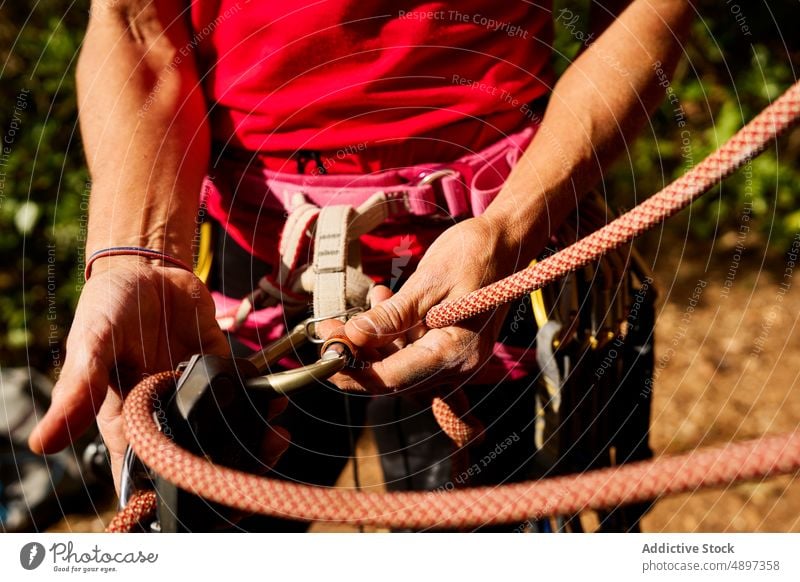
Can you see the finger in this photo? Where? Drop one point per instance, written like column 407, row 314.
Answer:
column 382, row 293
column 398, row 343
column 324, row 329
column 379, row 293
column 327, row 328
column 421, row 365
column 77, row 396
column 391, row 318
column 415, row 333
column 112, row 426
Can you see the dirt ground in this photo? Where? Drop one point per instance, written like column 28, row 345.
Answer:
column 733, row 376
column 727, row 366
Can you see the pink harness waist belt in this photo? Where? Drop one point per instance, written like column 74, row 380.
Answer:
column 243, row 193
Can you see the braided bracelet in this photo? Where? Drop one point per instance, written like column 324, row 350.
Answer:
column 133, row 251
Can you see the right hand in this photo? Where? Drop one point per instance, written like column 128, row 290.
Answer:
column 133, row 318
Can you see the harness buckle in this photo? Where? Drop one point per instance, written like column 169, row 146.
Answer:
column 430, row 178
column 427, row 178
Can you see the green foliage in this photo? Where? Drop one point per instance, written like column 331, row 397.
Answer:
column 738, row 57
column 43, row 180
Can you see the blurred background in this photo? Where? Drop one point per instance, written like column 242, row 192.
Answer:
column 724, row 383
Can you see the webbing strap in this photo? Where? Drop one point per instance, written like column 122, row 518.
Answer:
column 331, row 252
column 339, row 282
column 298, row 223
column 335, row 277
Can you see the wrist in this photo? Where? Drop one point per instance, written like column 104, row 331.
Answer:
column 130, row 255
column 520, row 232
column 104, row 264
column 529, row 215
column 164, row 223
column 173, row 246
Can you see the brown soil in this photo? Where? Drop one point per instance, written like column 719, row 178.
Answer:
column 733, row 376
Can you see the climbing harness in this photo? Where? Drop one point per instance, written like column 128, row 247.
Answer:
column 563, row 495
column 331, row 213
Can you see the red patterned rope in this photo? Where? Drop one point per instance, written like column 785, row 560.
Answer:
column 747, row 143
column 460, row 509
column 140, row 507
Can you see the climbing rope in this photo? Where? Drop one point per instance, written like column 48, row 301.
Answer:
column 141, row 506
column 459, row 509
column 469, row 508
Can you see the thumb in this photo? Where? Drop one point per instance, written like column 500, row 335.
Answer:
column 392, row 317
column 77, row 396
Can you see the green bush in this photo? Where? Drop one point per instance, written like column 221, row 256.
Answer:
column 738, row 57
column 44, row 180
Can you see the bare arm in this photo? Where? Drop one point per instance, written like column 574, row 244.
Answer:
column 143, row 122
column 600, row 103
column 147, row 144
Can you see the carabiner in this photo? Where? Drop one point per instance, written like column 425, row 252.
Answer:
column 309, row 323
column 289, row 381
column 335, row 353
column 281, row 347
column 135, row 477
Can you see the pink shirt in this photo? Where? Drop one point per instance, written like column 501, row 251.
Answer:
column 329, row 74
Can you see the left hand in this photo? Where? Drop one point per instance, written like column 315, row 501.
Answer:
column 403, row 354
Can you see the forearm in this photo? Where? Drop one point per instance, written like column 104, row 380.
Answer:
column 600, row 103
column 143, row 123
